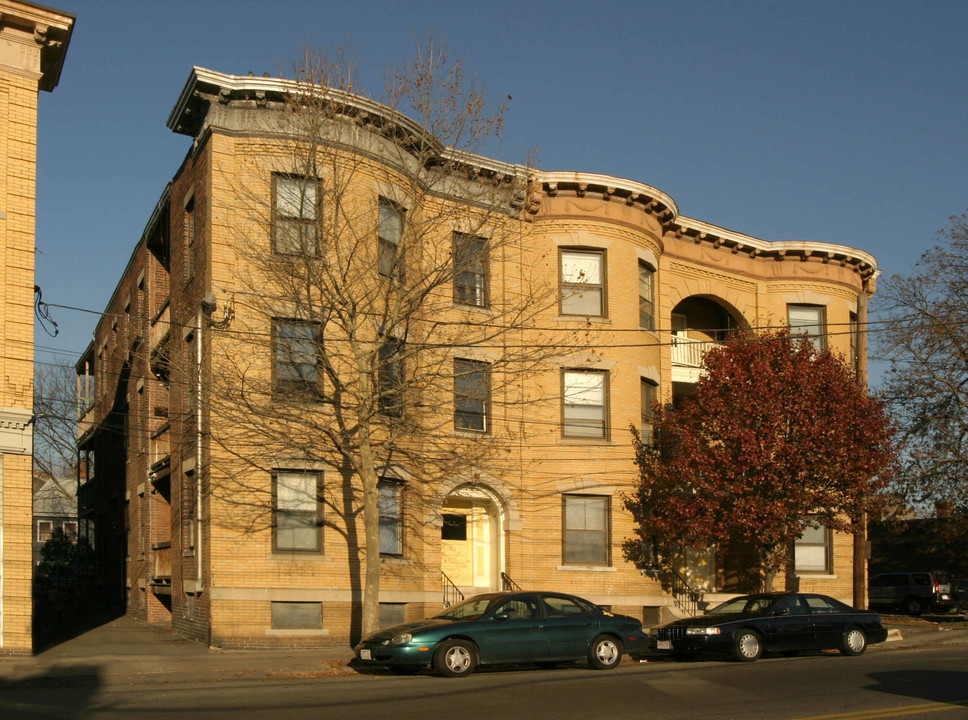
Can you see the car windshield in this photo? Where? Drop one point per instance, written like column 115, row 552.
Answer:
column 745, row 605
column 470, row 609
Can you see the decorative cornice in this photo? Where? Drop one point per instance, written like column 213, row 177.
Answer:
column 40, row 28
column 207, row 86
column 664, row 209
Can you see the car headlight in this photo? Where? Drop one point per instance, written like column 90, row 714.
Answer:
column 401, row 639
column 703, row 631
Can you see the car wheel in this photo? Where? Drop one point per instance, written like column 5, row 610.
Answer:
column 683, row 656
column 605, row 653
column 854, row 642
column 914, row 606
column 748, row 646
column 455, row 658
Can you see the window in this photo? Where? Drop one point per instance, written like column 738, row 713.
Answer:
column 392, row 614
column 390, row 377
column 295, row 358
column 454, row 527
column 583, row 282
column 297, row 615
column 296, row 512
column 45, row 528
column 586, row 530
column 812, row 550
column 471, row 395
column 585, row 412
column 646, row 296
column 470, row 265
column 390, row 234
column 295, row 202
column 646, row 430
column 70, row 530
column 190, row 249
column 807, row 320
column 391, row 518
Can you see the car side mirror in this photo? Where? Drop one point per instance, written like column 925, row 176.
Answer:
column 781, row 611
column 502, row 616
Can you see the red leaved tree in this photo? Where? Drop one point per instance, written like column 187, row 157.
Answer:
column 778, row 437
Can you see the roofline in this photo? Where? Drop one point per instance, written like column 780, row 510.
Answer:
column 666, row 208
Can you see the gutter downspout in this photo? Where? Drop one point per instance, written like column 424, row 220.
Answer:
column 198, row 452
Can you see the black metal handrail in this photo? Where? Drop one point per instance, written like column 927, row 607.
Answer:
column 507, row 584
column 687, row 599
column 452, row 593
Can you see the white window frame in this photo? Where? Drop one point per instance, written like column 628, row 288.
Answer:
column 582, row 275
column 584, row 404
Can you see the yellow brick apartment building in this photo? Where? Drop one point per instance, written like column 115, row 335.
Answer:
column 33, row 41
column 229, row 524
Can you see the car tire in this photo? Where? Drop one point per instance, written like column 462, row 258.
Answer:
column 747, row 646
column 605, row 652
column 914, row 606
column 455, row 658
column 854, row 642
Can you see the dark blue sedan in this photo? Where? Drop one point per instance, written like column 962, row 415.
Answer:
column 506, row 627
column 747, row 626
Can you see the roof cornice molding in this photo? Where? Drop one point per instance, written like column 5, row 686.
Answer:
column 51, row 30
column 205, row 86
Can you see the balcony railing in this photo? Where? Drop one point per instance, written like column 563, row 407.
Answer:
column 687, row 352
column 161, row 564
column 160, row 446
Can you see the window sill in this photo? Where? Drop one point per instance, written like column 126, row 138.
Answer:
column 601, row 319
column 587, row 568
column 583, row 441
column 296, row 632
column 395, row 560
column 470, row 433
column 817, row 575
column 286, row 556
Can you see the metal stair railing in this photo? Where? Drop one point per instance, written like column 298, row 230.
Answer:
column 507, row 583
column 686, row 598
column 452, row 593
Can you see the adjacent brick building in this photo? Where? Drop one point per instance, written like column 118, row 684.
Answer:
column 634, row 292
column 33, row 41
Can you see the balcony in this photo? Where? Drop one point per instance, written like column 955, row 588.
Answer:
column 161, row 567
column 160, row 448
column 687, row 355
column 160, row 326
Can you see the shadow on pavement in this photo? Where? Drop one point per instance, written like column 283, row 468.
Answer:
column 52, row 693
column 946, row 686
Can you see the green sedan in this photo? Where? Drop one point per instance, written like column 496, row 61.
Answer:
column 506, row 627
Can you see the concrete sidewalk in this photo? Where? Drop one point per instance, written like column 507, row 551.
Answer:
column 125, row 651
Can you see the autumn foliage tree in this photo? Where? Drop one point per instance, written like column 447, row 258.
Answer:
column 777, row 437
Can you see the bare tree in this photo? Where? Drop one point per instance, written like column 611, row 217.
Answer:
column 55, row 417
column 924, row 316
column 381, row 264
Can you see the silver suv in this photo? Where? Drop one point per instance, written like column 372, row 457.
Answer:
column 914, row 592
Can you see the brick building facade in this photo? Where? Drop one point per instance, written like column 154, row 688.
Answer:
column 204, row 524
column 33, row 41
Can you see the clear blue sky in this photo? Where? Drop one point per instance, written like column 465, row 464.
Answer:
column 826, row 121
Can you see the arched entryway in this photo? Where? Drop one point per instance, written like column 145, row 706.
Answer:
column 472, row 544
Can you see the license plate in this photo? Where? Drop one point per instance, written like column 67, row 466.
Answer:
column 365, row 654
column 664, row 645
